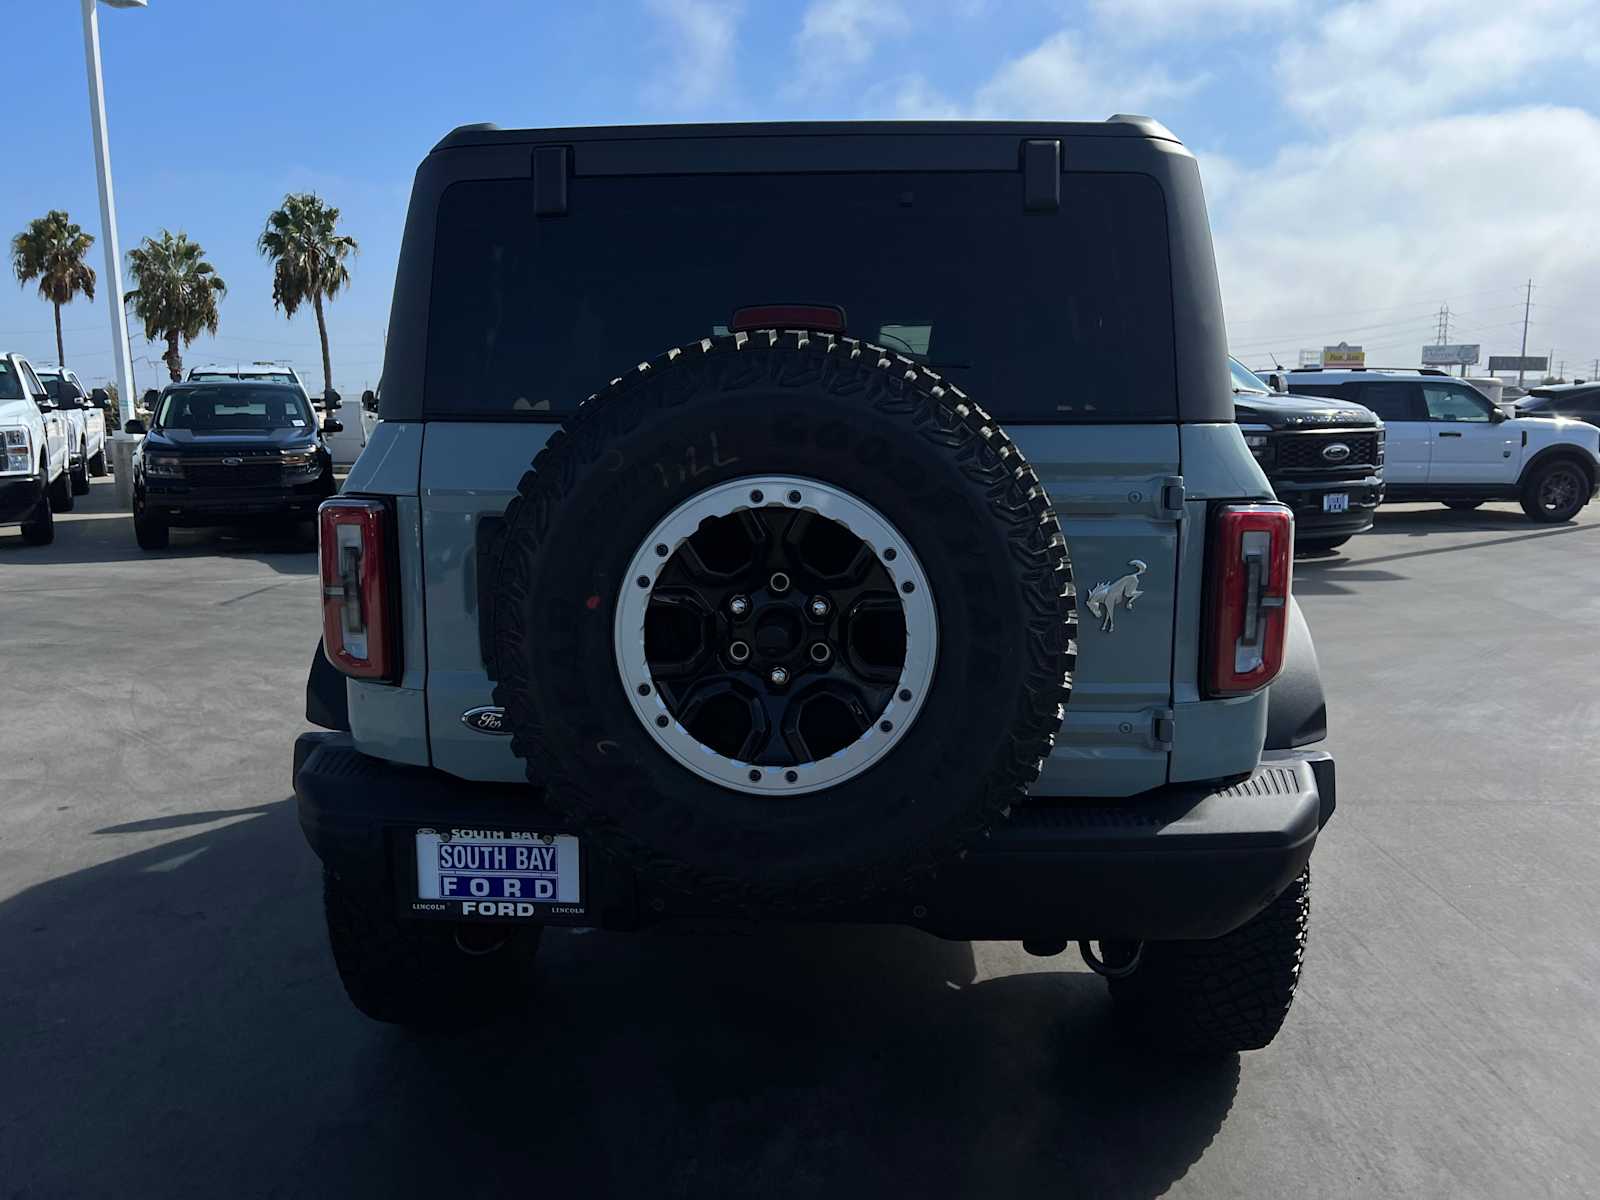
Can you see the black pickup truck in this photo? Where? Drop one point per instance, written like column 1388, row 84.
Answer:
column 1324, row 458
column 226, row 452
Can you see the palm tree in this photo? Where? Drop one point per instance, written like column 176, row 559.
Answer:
column 175, row 294
column 308, row 260
column 51, row 249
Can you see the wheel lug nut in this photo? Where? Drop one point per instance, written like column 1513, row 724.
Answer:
column 738, row 606
column 739, row 651
column 779, row 676
column 779, row 582
column 819, row 607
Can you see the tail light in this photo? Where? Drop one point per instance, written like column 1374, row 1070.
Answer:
column 358, row 626
column 825, row 318
column 1251, row 562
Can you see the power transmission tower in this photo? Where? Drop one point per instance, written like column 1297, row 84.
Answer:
column 1527, row 304
column 1443, row 334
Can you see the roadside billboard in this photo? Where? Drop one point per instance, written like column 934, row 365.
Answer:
column 1344, row 355
column 1513, row 362
column 1457, row 355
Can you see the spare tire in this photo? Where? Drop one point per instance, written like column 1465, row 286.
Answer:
column 782, row 619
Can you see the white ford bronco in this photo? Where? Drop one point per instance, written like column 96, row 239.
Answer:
column 759, row 523
column 1448, row 442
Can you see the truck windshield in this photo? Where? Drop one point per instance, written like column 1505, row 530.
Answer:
column 10, row 381
column 1053, row 316
column 234, row 408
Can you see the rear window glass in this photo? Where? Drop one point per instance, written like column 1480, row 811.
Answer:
column 1059, row 316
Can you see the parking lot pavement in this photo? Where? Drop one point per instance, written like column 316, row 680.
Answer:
column 174, row 1027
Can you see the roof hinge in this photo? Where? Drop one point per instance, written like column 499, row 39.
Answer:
column 1041, row 176
column 551, row 166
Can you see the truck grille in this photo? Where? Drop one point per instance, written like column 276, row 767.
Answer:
column 246, row 474
column 1304, row 451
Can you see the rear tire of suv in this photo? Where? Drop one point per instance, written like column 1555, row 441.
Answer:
column 1556, row 492
column 420, row 973
column 772, row 426
column 40, row 529
column 61, row 495
column 1228, row 994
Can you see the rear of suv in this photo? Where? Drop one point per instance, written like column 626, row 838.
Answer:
column 759, row 524
column 1324, row 458
column 1446, row 441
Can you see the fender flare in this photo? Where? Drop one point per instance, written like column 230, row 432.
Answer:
column 1560, row 450
column 1297, row 712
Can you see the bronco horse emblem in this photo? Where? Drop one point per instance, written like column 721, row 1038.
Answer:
column 1104, row 597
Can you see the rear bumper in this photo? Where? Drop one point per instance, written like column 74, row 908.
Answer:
column 1304, row 498
column 19, row 497
column 1178, row 863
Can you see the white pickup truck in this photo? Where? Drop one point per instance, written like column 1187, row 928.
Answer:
column 1448, row 442
column 35, row 483
column 86, row 425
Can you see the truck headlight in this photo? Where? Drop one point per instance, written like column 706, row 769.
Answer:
column 301, row 462
column 163, row 466
column 18, row 448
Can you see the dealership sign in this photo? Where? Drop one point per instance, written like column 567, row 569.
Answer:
column 1511, row 362
column 1344, row 355
column 1450, row 356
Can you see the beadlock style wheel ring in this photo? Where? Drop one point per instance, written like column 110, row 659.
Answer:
column 775, row 635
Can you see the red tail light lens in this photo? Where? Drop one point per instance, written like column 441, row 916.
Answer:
column 357, row 595
column 1251, row 564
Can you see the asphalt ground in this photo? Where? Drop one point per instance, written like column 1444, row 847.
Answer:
column 170, row 1022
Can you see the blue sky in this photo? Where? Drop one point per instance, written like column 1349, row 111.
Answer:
column 1365, row 162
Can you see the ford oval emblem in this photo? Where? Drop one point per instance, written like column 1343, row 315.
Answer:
column 486, row 720
column 232, row 462
column 1336, row 452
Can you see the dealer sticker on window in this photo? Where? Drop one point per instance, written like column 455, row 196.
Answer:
column 496, row 873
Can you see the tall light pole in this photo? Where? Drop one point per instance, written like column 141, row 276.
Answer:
column 108, row 211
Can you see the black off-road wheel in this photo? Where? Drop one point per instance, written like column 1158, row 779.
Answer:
column 783, row 620
column 62, row 499
column 1228, row 994
column 98, row 467
column 40, row 527
column 1556, row 491
column 423, row 974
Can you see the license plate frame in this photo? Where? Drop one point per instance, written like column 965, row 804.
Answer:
column 1336, row 502
column 516, row 875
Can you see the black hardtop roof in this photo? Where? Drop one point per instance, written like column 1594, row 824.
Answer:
column 1120, row 125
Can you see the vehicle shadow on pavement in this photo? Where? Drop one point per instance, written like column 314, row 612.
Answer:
column 98, row 531
column 175, row 1028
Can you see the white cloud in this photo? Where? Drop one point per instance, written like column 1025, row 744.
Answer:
column 836, row 37
column 1363, row 236
column 1153, row 20
column 1399, row 59
column 1055, row 81
column 700, row 35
